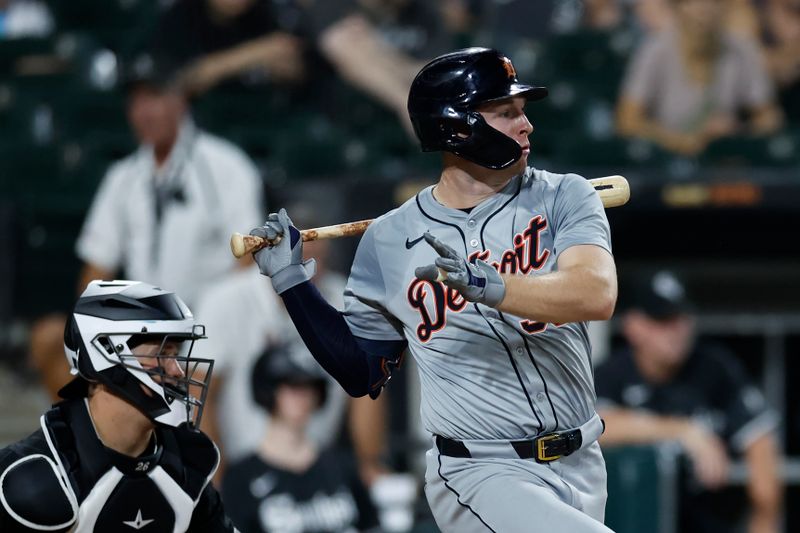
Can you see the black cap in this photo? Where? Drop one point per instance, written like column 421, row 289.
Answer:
column 148, row 68
column 660, row 295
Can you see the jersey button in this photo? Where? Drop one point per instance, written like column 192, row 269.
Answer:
column 519, row 350
column 471, row 223
column 540, row 396
column 474, row 243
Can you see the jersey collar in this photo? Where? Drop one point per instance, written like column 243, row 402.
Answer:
column 432, row 207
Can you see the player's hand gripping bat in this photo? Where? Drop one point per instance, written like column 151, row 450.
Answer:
column 613, row 191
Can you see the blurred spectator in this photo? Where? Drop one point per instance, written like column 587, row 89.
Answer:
column 231, row 39
column 378, row 46
column 24, row 18
column 665, row 386
column 691, row 84
column 288, row 483
column 247, row 317
column 782, row 47
column 163, row 214
column 655, row 15
column 176, row 199
column 461, row 18
column 742, row 19
column 603, row 14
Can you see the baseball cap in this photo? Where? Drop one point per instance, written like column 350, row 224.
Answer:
column 660, row 295
column 149, row 68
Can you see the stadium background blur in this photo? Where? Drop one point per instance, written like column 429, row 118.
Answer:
column 721, row 219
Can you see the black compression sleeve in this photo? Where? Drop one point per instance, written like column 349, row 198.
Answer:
column 360, row 366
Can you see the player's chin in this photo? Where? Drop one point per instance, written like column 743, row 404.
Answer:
column 522, row 162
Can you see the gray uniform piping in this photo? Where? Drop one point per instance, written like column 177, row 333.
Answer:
column 494, row 331
column 503, row 318
column 458, row 496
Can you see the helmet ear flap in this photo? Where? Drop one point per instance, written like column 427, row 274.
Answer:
column 484, row 145
column 455, row 129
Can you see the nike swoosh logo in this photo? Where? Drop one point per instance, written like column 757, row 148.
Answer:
column 411, row 244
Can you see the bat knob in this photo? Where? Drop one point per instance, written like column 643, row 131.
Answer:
column 237, row 245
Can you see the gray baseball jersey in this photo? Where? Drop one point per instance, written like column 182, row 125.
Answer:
column 484, row 374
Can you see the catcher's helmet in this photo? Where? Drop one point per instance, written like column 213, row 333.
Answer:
column 285, row 364
column 112, row 318
column 444, row 97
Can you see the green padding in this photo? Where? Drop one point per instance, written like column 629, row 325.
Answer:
column 633, row 489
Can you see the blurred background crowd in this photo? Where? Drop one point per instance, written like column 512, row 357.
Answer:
column 136, row 135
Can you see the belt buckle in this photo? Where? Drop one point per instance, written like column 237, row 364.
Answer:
column 541, row 452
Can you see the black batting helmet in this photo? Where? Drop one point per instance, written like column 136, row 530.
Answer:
column 285, row 364
column 444, row 97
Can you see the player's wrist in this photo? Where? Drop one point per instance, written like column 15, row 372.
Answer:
column 495, row 291
column 293, row 275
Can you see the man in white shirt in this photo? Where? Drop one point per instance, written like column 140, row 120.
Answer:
column 163, row 214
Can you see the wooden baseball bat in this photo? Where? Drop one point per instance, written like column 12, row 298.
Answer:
column 613, row 191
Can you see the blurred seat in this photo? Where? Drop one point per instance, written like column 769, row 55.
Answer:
column 13, row 52
column 595, row 60
column 313, row 146
column 607, row 153
column 223, row 110
column 16, row 114
column 642, row 488
column 122, row 25
column 48, row 212
column 46, row 266
column 82, row 114
column 778, row 150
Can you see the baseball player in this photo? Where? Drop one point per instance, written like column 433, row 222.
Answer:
column 121, row 452
column 501, row 341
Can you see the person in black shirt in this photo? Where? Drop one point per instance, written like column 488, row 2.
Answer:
column 288, row 484
column 665, row 385
column 244, row 42
column 121, row 452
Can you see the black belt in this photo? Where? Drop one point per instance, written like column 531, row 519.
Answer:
column 544, row 448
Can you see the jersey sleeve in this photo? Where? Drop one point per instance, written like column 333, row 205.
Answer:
column 365, row 293
column 579, row 216
column 102, row 235
column 748, row 416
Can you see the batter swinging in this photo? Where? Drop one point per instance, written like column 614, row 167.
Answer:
column 501, row 342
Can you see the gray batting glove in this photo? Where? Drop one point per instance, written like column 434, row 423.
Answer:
column 478, row 282
column 282, row 262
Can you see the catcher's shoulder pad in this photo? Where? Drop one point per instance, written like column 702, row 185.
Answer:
column 34, row 494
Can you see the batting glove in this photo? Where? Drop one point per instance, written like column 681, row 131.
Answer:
column 282, row 262
column 478, row 282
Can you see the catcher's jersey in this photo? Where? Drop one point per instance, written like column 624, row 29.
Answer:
column 484, row 374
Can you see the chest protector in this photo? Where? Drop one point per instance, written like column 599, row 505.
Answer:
column 103, row 490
